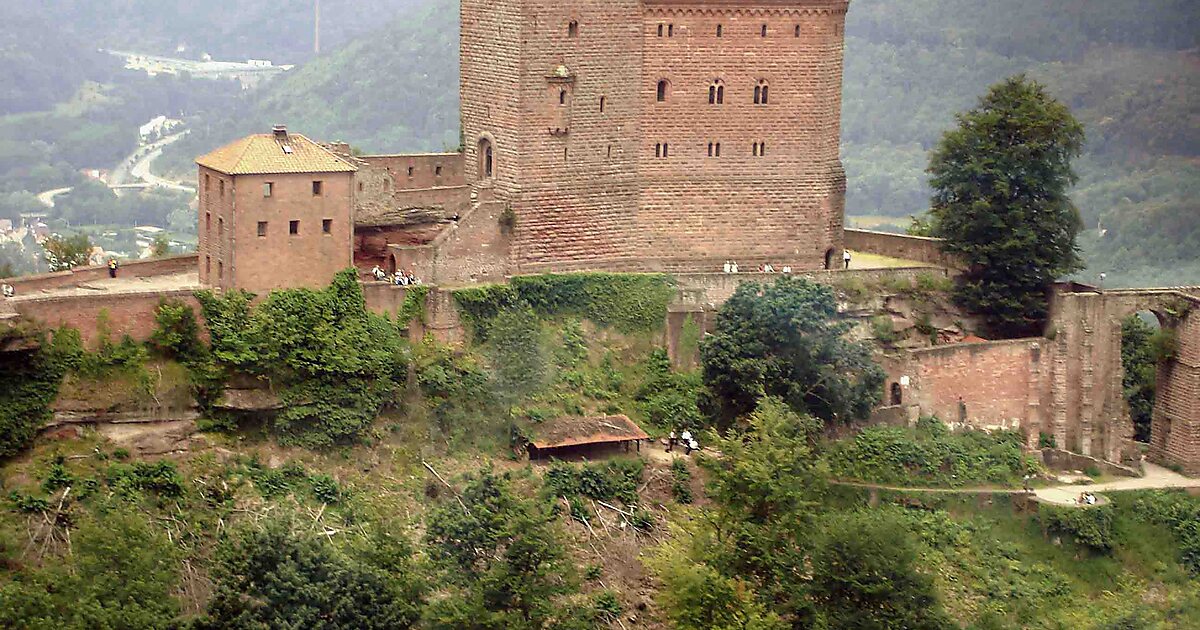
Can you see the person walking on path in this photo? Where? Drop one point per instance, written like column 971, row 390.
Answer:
column 112, row 267
column 671, row 441
column 846, row 257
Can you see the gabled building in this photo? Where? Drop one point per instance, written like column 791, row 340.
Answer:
column 276, row 211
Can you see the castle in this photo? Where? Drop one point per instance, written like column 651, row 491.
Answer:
column 626, row 135
column 638, row 135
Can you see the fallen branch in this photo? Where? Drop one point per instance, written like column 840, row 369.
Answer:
column 447, row 484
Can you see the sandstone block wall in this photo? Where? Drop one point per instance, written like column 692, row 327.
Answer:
column 165, row 266
column 125, row 313
column 915, row 248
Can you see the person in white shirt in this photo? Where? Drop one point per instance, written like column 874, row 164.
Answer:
column 377, row 273
column 768, row 268
column 9, row 291
column 846, row 257
column 787, row 269
column 733, row 268
column 728, row 267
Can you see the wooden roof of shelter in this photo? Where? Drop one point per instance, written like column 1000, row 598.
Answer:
column 577, row 431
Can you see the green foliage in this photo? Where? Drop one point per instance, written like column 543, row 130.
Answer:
column 122, row 576
column 866, row 577
column 281, row 575
column 783, row 339
column 1000, row 185
column 681, row 482
column 667, row 398
column 64, row 253
column 176, row 332
column 31, row 383
column 413, row 307
column 1090, row 526
column 627, row 302
column 161, row 478
column 336, row 364
column 292, row 479
column 1181, row 513
column 1141, row 373
column 1047, row 440
column 931, row 455
column 455, row 386
column 698, row 597
column 518, row 355
column 884, row 330
column 499, row 555
column 612, row 479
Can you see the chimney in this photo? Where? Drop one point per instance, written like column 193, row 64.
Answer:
column 280, row 132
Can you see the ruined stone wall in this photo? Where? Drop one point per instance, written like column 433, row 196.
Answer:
column 915, row 248
column 776, row 191
column 126, row 313
column 719, row 287
column 993, row 385
column 167, row 265
column 1175, row 429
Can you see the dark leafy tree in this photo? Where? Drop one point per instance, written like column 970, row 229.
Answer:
column 504, row 558
column 783, row 339
column 1000, row 200
column 865, row 577
column 1141, row 373
column 278, row 576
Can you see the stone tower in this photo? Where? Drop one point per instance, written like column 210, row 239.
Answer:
column 657, row 134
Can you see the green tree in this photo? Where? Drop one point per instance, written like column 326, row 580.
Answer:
column 504, row 558
column 276, row 576
column 122, row 576
column 1000, row 200
column 783, row 339
column 67, row 252
column 698, row 597
column 766, row 489
column 1141, row 373
column 160, row 246
column 865, row 577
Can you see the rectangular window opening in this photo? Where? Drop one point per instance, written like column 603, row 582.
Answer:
column 268, row 188
column 293, row 227
column 410, row 171
column 437, row 170
column 327, row 226
column 317, row 188
column 262, row 228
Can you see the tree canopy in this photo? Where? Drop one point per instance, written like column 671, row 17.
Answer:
column 1000, row 183
column 783, row 339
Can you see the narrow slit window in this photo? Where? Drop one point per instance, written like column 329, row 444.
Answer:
column 763, row 31
column 660, row 30
column 327, row 226
column 207, row 222
column 562, row 97
column 666, row 149
column 221, row 188
column 293, row 227
column 602, row 103
column 268, row 188
column 718, row 149
column 720, row 30
column 761, row 93
column 661, row 92
column 410, row 171
column 360, row 186
column 658, row 150
column 797, row 30
column 220, row 226
column 710, row 149
column 670, row 30
column 573, row 29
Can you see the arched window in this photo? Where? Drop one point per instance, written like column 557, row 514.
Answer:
column 658, row 150
column 573, row 29
column 662, row 90
column 718, row 154
column 761, row 92
column 562, row 97
column 486, row 159
column 897, row 395
column 670, row 30
column 797, row 30
column 716, row 93
column 660, row 30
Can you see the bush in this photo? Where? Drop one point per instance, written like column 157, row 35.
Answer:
column 160, row 477
column 31, row 382
column 681, row 482
column 1181, row 513
column 1088, row 526
column 613, row 479
column 931, row 455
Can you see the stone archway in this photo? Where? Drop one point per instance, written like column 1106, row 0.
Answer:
column 1087, row 409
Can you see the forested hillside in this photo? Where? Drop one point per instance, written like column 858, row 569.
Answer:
column 1128, row 69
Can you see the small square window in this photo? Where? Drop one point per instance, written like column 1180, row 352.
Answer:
column 267, row 189
column 327, row 225
column 437, row 170
column 262, row 228
column 293, row 227
column 317, row 188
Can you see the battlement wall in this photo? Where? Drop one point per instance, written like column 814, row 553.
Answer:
column 167, row 265
column 916, row 248
column 128, row 313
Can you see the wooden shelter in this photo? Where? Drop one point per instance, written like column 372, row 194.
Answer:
column 576, row 435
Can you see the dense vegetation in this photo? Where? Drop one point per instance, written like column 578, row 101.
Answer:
column 1139, row 359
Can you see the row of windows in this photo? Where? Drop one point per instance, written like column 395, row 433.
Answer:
column 716, row 92
column 663, row 149
column 293, row 226
column 668, row 30
column 318, row 188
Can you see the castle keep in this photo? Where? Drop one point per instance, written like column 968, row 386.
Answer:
column 625, row 135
